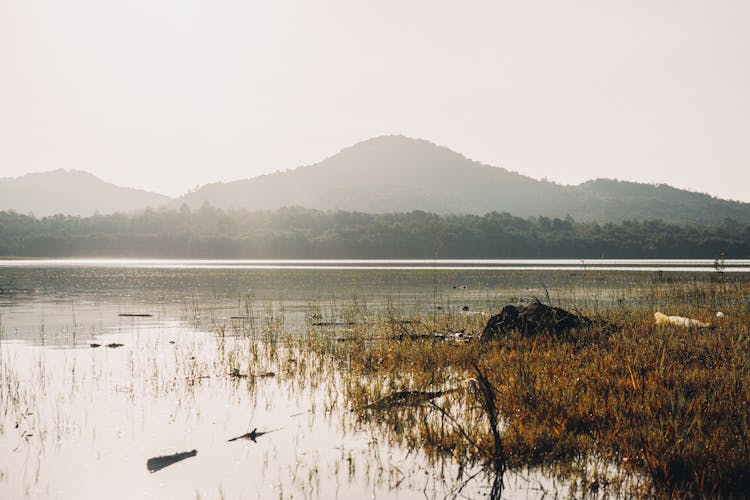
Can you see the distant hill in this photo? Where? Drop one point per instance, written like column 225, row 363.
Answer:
column 71, row 192
column 398, row 174
column 384, row 175
column 611, row 200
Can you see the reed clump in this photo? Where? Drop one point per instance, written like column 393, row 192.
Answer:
column 666, row 409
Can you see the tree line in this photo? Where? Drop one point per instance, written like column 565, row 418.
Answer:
column 291, row 233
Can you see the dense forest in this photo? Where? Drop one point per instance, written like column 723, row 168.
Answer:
column 209, row 232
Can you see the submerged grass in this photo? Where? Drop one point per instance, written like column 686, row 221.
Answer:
column 665, row 410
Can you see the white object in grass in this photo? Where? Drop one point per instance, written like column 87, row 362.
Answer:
column 663, row 319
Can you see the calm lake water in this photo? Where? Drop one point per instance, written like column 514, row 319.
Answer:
column 81, row 422
column 62, row 302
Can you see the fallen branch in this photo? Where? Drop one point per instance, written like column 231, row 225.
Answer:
column 407, row 398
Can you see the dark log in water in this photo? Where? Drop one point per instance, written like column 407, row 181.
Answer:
column 406, row 398
column 135, row 315
column 158, row 463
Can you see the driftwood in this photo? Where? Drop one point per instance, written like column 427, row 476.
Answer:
column 334, row 323
column 534, row 318
column 237, row 374
column 158, row 463
column 461, row 336
column 406, row 398
column 252, row 435
column 135, row 315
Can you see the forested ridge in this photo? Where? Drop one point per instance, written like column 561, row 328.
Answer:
column 209, row 232
column 399, row 174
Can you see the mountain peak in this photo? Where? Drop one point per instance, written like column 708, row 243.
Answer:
column 397, row 144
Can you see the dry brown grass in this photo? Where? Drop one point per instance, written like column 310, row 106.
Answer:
column 666, row 405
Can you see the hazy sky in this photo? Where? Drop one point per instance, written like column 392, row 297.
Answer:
column 169, row 94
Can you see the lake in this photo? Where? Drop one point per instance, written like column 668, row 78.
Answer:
column 79, row 421
column 56, row 301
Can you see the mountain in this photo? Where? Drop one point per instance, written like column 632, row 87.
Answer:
column 71, row 192
column 397, row 174
column 387, row 174
column 380, row 175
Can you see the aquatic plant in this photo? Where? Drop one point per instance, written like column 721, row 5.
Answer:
column 668, row 405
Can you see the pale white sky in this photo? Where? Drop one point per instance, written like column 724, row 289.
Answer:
column 169, row 94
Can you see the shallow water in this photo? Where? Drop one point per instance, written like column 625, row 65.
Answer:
column 93, row 417
column 82, row 422
column 64, row 302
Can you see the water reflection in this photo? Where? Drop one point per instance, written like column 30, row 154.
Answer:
column 190, row 356
column 80, row 423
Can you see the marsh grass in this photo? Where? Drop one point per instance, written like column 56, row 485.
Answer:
column 665, row 409
column 644, row 411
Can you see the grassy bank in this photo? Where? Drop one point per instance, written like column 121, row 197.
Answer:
column 646, row 410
